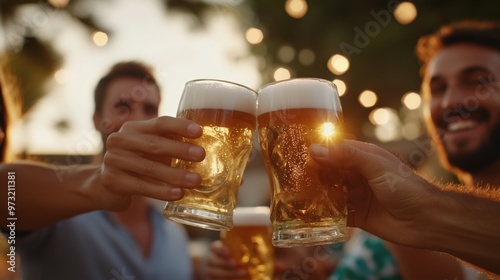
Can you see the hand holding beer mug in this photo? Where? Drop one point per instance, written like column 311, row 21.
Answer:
column 227, row 114
column 308, row 202
column 249, row 241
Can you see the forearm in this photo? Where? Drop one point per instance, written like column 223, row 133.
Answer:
column 425, row 264
column 467, row 227
column 45, row 194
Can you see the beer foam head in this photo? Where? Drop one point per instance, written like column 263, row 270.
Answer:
column 251, row 216
column 217, row 94
column 298, row 93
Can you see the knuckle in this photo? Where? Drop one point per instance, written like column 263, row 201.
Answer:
column 142, row 187
column 109, row 159
column 149, row 167
column 158, row 123
column 153, row 143
column 108, row 177
column 127, row 125
column 113, row 140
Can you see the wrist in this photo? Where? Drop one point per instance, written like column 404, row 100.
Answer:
column 437, row 220
column 458, row 223
column 430, row 215
column 89, row 188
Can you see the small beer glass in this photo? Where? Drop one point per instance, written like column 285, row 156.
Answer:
column 249, row 241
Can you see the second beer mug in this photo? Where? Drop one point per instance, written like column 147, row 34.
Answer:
column 250, row 241
column 227, row 114
column 308, row 203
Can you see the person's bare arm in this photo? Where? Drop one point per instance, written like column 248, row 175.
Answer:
column 391, row 201
column 467, row 227
column 137, row 162
column 425, row 264
column 42, row 194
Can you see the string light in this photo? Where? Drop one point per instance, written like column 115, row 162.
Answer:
column 411, row 131
column 254, row 35
column 296, row 8
column 380, row 116
column 341, row 86
column 405, row 13
column 306, row 57
column 286, row 54
column 100, row 38
column 281, row 74
column 367, row 98
column 338, row 64
column 411, row 100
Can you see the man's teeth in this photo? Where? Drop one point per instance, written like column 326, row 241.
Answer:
column 461, row 125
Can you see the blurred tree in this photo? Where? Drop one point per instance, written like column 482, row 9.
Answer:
column 380, row 50
column 28, row 57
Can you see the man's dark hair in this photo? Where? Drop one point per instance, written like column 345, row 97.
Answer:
column 129, row 69
column 483, row 33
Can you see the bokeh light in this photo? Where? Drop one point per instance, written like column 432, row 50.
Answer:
column 100, row 38
column 341, row 86
column 411, row 130
column 405, row 13
column 296, row 8
column 380, row 116
column 387, row 124
column 411, row 100
column 306, row 57
column 281, row 74
column 387, row 133
column 61, row 76
column 286, row 53
column 59, row 3
column 338, row 64
column 367, row 98
column 254, row 35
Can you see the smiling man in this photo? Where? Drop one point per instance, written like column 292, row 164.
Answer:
column 461, row 87
column 461, row 90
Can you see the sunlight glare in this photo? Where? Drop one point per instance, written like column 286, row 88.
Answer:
column 328, row 129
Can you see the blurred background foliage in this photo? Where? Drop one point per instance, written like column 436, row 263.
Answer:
column 381, row 59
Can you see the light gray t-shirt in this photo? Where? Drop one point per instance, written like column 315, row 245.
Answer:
column 93, row 246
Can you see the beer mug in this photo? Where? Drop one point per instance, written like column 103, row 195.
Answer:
column 227, row 114
column 308, row 204
column 249, row 241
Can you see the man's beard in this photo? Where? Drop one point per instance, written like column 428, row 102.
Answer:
column 481, row 158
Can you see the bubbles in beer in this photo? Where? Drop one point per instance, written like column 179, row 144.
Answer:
column 307, row 197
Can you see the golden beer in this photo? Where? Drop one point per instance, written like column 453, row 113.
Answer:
column 226, row 113
column 308, row 202
column 249, row 241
